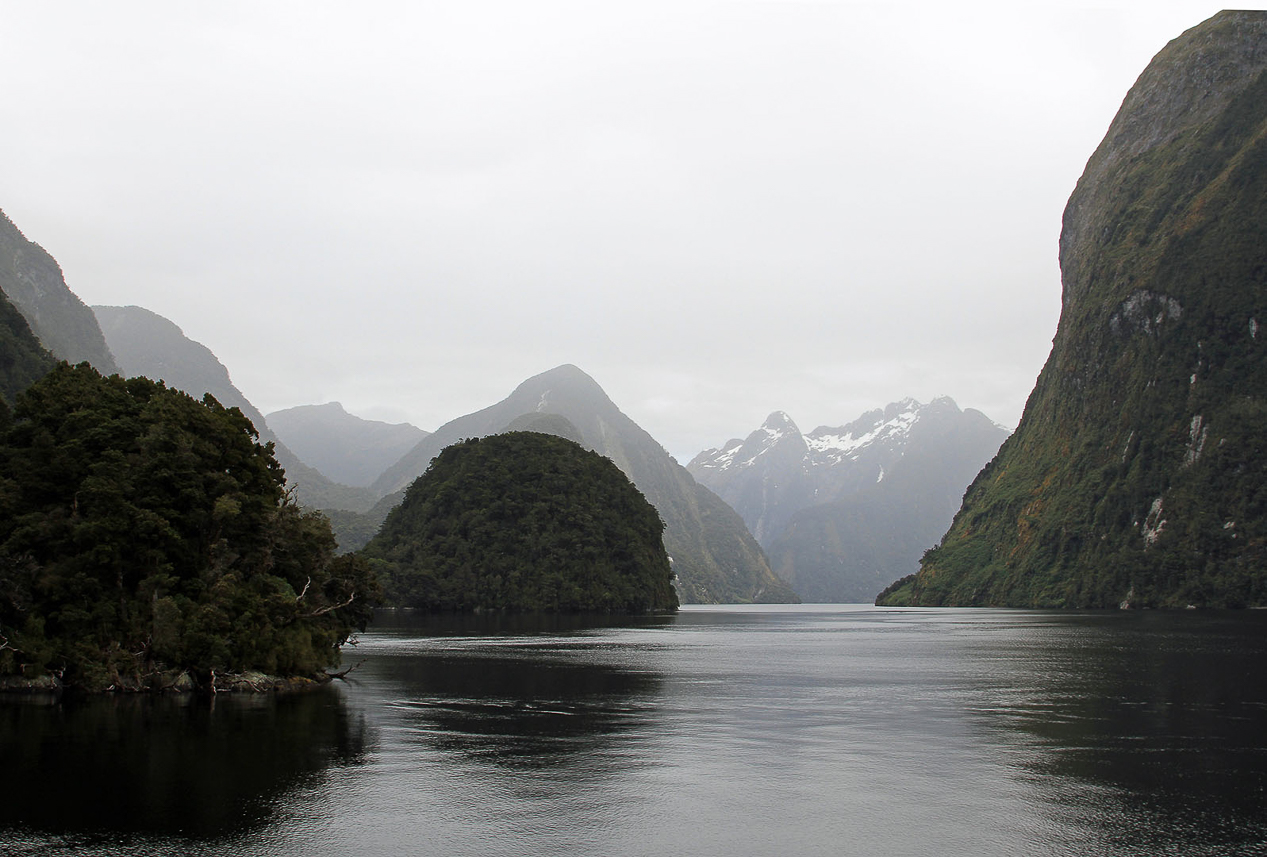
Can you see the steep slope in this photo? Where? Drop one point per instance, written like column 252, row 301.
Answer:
column 1136, row 475
column 848, row 549
column 345, row 448
column 765, row 477
column 23, row 361
column 33, row 282
column 715, row 558
column 149, row 345
column 842, row 510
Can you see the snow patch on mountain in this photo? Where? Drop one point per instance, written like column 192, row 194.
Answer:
column 890, row 427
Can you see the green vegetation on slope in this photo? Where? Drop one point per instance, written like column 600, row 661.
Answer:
column 144, row 534
column 1136, row 475
column 32, row 280
column 523, row 521
column 715, row 558
column 23, row 361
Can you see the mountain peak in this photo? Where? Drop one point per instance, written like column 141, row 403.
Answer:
column 840, row 508
column 716, row 559
column 779, row 425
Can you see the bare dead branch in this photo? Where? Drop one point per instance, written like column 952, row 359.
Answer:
column 343, row 673
column 324, row 610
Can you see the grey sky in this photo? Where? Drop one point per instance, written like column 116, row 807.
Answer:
column 716, row 209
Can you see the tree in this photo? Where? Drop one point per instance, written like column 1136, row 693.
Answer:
column 524, row 521
column 144, row 534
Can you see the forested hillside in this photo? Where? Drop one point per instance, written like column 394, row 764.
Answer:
column 1137, row 476
column 147, row 541
column 524, row 521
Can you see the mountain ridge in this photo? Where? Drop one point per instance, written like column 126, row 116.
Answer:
column 715, row 558
column 147, row 344
column 34, row 283
column 1135, row 476
column 841, row 509
column 345, row 448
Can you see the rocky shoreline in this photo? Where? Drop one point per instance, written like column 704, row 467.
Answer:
column 175, row 682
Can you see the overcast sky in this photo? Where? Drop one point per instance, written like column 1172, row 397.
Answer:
column 716, row 209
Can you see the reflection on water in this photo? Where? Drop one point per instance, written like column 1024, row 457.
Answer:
column 521, row 705
column 520, row 691
column 1147, row 727
column 173, row 766
column 814, row 730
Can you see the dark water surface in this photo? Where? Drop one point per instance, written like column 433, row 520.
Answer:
column 722, row 731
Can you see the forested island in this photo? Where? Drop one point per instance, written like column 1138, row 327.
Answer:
column 524, row 521
column 147, row 541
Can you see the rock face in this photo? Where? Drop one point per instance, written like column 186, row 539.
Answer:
column 148, row 345
column 33, row 282
column 714, row 556
column 1137, row 476
column 842, row 510
column 345, row 448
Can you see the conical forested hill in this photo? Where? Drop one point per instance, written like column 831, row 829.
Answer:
column 714, row 556
column 1137, row 475
column 524, row 521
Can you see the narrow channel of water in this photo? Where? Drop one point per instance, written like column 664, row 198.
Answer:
column 721, row 731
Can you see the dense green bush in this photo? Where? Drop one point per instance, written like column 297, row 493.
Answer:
column 526, row 522
column 144, row 534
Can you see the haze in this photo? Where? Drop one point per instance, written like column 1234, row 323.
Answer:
column 715, row 209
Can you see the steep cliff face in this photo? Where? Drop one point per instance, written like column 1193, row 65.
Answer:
column 1137, row 473
column 33, row 282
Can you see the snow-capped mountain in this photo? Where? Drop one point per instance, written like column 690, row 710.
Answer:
column 902, row 469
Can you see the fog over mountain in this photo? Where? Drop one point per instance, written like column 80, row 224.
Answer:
column 714, row 557
column 717, row 207
column 149, row 345
column 32, row 281
column 344, row 447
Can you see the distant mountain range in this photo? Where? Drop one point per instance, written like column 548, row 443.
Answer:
column 146, row 344
column 714, row 556
column 841, row 509
column 794, row 491
column 346, row 448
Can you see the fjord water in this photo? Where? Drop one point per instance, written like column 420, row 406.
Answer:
column 721, row 731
